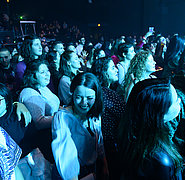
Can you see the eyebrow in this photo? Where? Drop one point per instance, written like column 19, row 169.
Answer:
column 86, row 96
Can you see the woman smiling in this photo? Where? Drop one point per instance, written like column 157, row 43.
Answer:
column 77, row 137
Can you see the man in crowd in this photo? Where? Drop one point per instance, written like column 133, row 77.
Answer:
column 7, row 74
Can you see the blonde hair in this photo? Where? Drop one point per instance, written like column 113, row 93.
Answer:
column 136, row 68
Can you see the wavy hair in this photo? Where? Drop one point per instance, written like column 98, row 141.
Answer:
column 99, row 69
column 137, row 67
column 29, row 79
column 123, row 49
column 26, row 48
column 142, row 129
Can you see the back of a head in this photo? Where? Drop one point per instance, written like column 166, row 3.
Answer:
column 51, row 56
column 143, row 129
column 99, row 69
column 174, row 49
column 143, row 123
column 149, row 101
column 123, row 49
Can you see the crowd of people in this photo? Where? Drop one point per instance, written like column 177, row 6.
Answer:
column 107, row 109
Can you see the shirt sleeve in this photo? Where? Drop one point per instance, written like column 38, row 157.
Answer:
column 36, row 107
column 63, row 147
column 100, row 147
column 64, row 91
column 19, row 72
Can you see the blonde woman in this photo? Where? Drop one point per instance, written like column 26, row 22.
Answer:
column 141, row 67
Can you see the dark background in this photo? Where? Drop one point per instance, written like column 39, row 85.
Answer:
column 128, row 17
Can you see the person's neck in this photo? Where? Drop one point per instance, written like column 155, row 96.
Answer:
column 127, row 61
column 74, row 71
column 3, row 113
column 40, row 87
column 145, row 75
column 79, row 116
column 36, row 57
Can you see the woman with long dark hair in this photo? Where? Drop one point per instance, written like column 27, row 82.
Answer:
column 147, row 148
column 107, row 73
column 69, row 67
column 173, row 54
column 31, row 49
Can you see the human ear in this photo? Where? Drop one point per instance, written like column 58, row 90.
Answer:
column 124, row 55
column 68, row 63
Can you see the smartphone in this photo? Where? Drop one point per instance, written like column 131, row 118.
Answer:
column 151, row 29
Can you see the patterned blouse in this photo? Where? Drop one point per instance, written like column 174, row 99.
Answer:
column 10, row 154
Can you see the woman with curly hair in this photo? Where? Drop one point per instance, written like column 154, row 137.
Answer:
column 141, row 67
column 107, row 73
column 31, row 49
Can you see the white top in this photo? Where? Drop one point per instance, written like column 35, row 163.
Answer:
column 73, row 145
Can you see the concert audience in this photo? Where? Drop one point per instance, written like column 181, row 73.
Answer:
column 150, row 127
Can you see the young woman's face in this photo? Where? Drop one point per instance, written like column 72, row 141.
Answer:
column 43, row 75
column 150, row 64
column 83, row 98
column 2, row 106
column 112, row 72
column 37, row 47
column 101, row 54
column 59, row 48
column 174, row 109
column 131, row 53
column 74, row 61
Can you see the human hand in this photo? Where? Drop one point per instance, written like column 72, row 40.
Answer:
column 148, row 34
column 84, row 54
column 21, row 109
